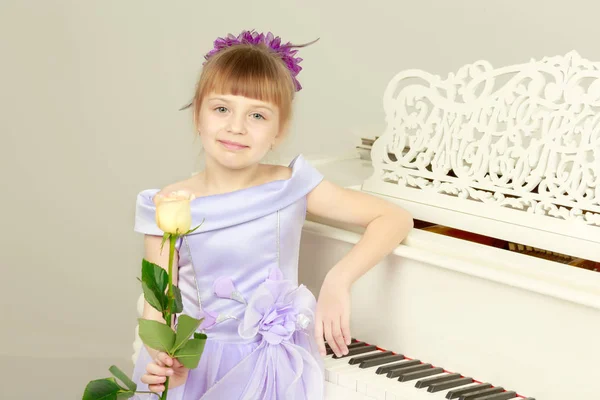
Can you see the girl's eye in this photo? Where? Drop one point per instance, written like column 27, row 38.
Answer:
column 258, row 116
column 221, row 109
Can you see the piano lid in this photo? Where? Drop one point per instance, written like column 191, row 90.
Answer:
column 510, row 152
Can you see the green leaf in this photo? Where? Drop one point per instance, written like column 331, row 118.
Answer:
column 164, row 239
column 198, row 335
column 192, row 230
column 186, row 326
column 102, row 389
column 156, row 335
column 154, row 275
column 154, row 283
column 125, row 395
column 120, row 375
column 189, row 354
column 153, row 298
column 178, row 301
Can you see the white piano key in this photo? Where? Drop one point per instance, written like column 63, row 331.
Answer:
column 354, row 378
column 329, row 361
column 347, row 375
column 350, row 377
column 378, row 385
column 335, row 392
column 336, row 366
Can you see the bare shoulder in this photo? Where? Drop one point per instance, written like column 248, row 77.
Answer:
column 277, row 172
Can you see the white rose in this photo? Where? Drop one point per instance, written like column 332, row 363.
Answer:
column 173, row 213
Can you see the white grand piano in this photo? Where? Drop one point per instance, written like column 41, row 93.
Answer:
column 496, row 292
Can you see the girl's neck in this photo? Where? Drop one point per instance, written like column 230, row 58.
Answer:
column 216, row 179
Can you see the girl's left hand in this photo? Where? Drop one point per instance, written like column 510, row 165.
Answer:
column 332, row 318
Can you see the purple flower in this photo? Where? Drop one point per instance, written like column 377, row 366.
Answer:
column 210, row 319
column 272, row 42
column 277, row 309
column 224, row 288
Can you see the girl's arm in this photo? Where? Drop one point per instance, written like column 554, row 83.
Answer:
column 386, row 226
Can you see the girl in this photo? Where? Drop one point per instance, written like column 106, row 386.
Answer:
column 238, row 271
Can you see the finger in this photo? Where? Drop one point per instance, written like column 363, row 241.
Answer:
column 319, row 335
column 154, row 369
column 346, row 328
column 336, row 331
column 150, row 379
column 330, row 339
column 165, row 359
column 177, row 363
column 156, row 388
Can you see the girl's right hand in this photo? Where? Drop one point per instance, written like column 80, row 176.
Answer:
column 158, row 370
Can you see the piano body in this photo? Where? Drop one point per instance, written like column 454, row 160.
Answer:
column 499, row 280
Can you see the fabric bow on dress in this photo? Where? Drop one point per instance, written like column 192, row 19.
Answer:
column 278, row 368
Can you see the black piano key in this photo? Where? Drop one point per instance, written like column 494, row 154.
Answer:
column 500, row 396
column 453, row 394
column 329, row 350
column 357, row 350
column 356, row 344
column 419, row 374
column 437, row 387
column 353, row 343
column 368, row 357
column 350, row 346
column 423, row 383
column 396, row 372
column 386, row 368
column 380, row 361
column 481, row 393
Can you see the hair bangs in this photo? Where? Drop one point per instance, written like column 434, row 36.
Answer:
column 238, row 80
column 249, row 71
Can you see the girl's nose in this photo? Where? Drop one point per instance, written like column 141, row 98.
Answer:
column 237, row 124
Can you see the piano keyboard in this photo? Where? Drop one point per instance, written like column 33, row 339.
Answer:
column 368, row 372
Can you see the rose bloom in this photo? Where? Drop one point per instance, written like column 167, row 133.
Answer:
column 173, row 214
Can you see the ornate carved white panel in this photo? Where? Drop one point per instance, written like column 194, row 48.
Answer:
column 519, row 144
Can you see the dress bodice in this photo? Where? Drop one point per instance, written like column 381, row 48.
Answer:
column 244, row 236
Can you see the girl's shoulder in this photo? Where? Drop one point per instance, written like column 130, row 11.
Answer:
column 276, row 172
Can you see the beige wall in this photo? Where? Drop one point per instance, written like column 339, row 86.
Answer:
column 88, row 118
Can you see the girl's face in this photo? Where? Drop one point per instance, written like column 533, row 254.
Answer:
column 237, row 131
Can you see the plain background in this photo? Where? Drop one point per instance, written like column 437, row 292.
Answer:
column 89, row 96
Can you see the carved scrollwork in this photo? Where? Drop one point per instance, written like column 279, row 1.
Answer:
column 525, row 136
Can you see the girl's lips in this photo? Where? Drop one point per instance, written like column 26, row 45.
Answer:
column 232, row 145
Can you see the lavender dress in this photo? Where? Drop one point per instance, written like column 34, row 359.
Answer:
column 239, row 271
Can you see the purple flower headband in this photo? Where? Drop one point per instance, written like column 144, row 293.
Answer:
column 272, row 42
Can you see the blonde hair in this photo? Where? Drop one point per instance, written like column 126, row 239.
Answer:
column 247, row 70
